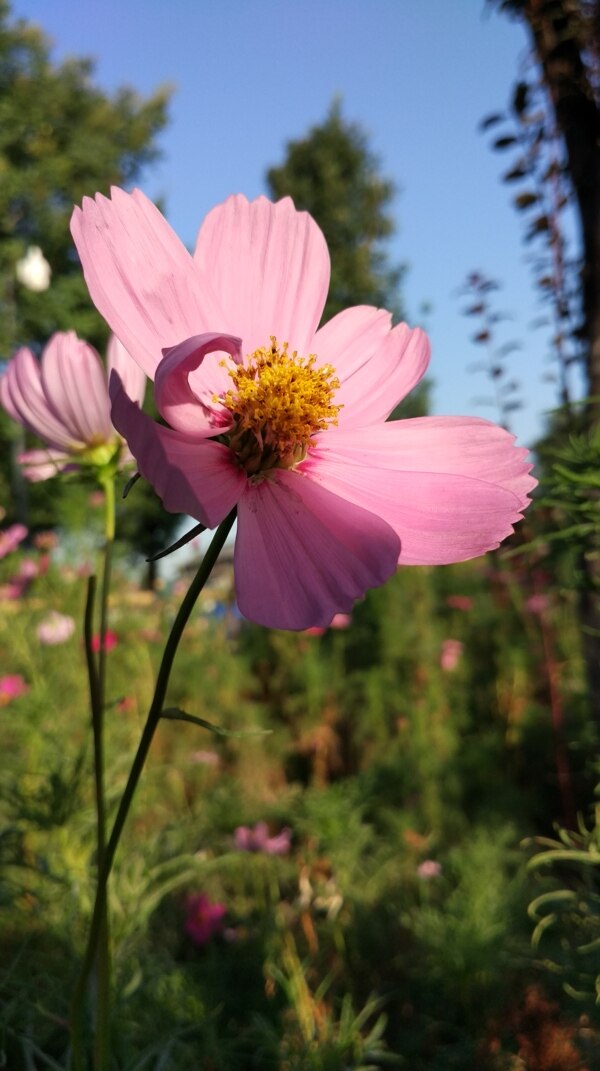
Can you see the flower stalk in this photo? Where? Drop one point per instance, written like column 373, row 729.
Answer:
column 95, row 936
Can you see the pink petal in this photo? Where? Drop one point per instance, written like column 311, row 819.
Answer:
column 303, row 555
column 23, row 397
column 74, row 382
column 140, row 276
column 43, row 464
column 451, row 487
column 377, row 367
column 269, row 264
column 131, row 375
column 176, row 401
column 198, row 478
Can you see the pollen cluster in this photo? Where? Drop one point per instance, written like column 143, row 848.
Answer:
column 278, row 401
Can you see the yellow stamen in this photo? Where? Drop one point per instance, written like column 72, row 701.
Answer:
column 279, row 401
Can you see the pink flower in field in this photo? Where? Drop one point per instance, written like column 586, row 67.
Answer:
column 537, row 604
column 11, row 537
column 55, row 628
column 281, row 419
column 63, row 399
column 429, row 868
column 203, row 918
column 464, row 603
column 258, row 839
column 450, row 655
column 110, row 641
column 11, row 687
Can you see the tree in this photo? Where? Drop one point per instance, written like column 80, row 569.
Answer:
column 61, row 138
column 333, row 174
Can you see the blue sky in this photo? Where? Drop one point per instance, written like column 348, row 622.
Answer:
column 418, row 75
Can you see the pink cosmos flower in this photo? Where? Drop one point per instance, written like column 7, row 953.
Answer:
column 283, row 419
column 203, row 918
column 63, row 399
column 537, row 603
column 258, row 839
column 11, row 687
column 11, row 537
column 429, row 868
column 55, row 628
column 450, row 655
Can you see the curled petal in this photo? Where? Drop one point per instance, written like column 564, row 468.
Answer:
column 140, row 276
column 198, row 478
column 269, row 264
column 176, row 401
column 303, row 554
column 451, row 487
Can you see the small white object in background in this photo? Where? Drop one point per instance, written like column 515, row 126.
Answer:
column 33, row 270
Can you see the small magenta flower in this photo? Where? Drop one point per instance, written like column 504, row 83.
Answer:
column 258, row 839
column 55, row 629
column 110, row 641
column 11, row 687
column 284, row 420
column 63, row 399
column 203, row 919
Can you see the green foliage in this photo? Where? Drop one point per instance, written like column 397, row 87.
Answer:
column 342, row 953
column 567, row 916
column 333, row 174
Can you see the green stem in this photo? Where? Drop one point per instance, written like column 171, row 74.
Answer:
column 154, row 715
column 97, row 688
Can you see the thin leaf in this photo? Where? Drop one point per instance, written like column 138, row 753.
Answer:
column 130, row 483
column 196, row 530
column 175, row 714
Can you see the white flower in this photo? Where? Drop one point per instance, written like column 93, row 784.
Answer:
column 33, row 270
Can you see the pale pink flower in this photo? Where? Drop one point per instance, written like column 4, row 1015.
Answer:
column 11, row 687
column 205, row 758
column 282, row 419
column 257, row 839
column 429, row 868
column 18, row 585
column 55, row 628
column 450, row 655
column 63, row 399
column 203, row 918
column 11, row 537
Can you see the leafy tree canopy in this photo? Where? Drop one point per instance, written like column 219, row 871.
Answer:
column 61, row 138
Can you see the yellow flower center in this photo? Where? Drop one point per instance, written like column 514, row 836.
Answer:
column 278, row 401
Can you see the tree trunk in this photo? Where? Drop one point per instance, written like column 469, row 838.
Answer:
column 562, row 36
